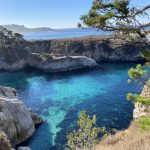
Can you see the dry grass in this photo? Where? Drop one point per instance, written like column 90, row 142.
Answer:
column 131, row 139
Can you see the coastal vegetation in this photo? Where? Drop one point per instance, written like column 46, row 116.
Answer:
column 87, row 134
column 9, row 39
column 141, row 76
column 116, row 15
column 144, row 123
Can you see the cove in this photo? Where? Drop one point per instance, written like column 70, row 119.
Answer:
column 58, row 98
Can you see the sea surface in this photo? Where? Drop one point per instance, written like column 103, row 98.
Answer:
column 63, row 33
column 59, row 98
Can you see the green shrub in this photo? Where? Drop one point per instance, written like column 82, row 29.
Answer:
column 136, row 73
column 86, row 136
column 137, row 98
column 142, row 100
column 144, row 123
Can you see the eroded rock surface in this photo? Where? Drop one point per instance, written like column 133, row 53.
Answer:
column 142, row 109
column 68, row 54
column 15, row 118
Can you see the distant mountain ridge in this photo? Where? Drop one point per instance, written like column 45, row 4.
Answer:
column 22, row 29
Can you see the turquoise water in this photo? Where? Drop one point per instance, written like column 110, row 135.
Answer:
column 63, row 33
column 58, row 98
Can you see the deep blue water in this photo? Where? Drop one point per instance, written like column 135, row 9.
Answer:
column 63, row 33
column 58, row 98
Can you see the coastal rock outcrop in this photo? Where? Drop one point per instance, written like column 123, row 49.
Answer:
column 45, row 62
column 15, row 118
column 68, row 54
column 101, row 48
column 50, row 63
column 142, row 109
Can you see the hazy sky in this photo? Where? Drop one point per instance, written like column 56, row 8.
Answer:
column 50, row 13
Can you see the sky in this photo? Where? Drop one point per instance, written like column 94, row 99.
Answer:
column 47, row 13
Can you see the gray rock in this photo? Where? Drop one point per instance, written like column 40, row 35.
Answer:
column 36, row 119
column 15, row 118
column 68, row 54
column 6, row 92
column 57, row 64
column 96, row 47
column 140, row 110
column 48, row 63
column 23, row 148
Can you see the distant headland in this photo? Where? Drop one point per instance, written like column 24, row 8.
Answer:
column 22, row 29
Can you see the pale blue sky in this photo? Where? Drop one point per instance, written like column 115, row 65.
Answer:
column 50, row 13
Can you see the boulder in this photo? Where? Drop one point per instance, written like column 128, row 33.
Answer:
column 15, row 118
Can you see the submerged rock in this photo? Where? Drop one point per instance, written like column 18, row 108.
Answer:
column 23, row 148
column 36, row 119
column 15, row 118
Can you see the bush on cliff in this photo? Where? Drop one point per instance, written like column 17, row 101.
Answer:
column 86, row 136
column 140, row 76
column 144, row 123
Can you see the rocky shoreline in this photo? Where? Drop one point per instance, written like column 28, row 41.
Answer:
column 70, row 54
column 48, row 63
column 17, row 121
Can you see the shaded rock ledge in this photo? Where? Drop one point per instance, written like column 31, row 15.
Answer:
column 48, row 63
column 16, row 120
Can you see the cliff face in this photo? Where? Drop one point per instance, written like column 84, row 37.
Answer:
column 96, row 47
column 15, row 118
column 132, row 138
column 44, row 61
column 68, row 54
column 141, row 109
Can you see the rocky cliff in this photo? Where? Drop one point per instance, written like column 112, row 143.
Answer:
column 133, row 138
column 44, row 61
column 16, row 120
column 142, row 109
column 68, row 54
column 96, row 47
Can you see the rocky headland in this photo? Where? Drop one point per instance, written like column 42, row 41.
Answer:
column 69, row 54
column 17, row 122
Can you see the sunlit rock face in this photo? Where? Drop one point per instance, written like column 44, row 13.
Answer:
column 146, row 91
column 142, row 109
column 15, row 118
